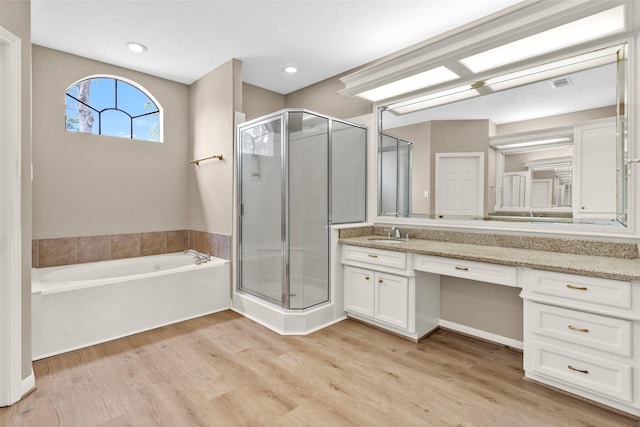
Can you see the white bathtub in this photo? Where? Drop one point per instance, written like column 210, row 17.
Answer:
column 75, row 306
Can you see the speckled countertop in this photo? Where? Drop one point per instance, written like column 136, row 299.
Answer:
column 590, row 265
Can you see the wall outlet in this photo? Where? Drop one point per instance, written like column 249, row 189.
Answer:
column 426, row 194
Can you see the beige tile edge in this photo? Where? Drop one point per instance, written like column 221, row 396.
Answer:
column 126, row 245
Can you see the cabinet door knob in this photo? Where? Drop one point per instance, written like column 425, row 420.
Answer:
column 573, row 328
column 577, row 288
column 582, row 371
column 367, row 277
column 380, row 280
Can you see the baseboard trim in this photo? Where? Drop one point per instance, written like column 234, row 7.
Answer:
column 28, row 385
column 482, row 334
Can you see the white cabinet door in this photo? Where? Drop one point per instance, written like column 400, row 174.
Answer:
column 392, row 299
column 595, row 169
column 359, row 291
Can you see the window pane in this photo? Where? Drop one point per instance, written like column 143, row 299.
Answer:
column 102, row 93
column 79, row 117
column 71, row 119
column 147, row 127
column 91, row 107
column 133, row 100
column 116, row 123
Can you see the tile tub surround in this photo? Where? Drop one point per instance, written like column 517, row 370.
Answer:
column 548, row 244
column 77, row 250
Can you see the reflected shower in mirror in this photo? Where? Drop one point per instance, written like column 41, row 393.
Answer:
column 547, row 136
column 395, row 164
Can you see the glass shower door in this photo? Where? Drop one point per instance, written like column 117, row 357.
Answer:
column 308, row 144
column 261, row 210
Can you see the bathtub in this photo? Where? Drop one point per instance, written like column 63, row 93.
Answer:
column 75, row 306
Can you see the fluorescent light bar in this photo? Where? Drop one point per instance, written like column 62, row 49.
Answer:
column 552, row 69
column 439, row 98
column 585, row 29
column 409, row 84
column 538, row 143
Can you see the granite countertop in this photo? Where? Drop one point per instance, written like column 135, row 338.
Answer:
column 590, row 265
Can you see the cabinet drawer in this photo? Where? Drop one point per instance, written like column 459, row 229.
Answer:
column 589, row 330
column 481, row 271
column 613, row 293
column 592, row 373
column 374, row 257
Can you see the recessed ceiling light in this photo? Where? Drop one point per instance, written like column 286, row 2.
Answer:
column 290, row 70
column 136, row 47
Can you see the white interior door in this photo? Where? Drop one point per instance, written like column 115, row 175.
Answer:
column 459, row 186
column 515, row 188
column 541, row 193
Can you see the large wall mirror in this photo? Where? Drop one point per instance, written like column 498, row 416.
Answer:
column 541, row 139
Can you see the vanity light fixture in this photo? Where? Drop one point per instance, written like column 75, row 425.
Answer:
column 518, row 78
column 552, row 69
column 433, row 99
column 290, row 70
column 511, row 144
column 590, row 28
column 551, row 142
column 409, row 84
column 136, row 47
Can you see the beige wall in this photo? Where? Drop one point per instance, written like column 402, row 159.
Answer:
column 15, row 16
column 492, row 308
column 257, row 102
column 420, row 135
column 323, row 98
column 214, row 99
column 87, row 184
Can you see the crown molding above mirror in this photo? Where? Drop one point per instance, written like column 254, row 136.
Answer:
column 522, row 21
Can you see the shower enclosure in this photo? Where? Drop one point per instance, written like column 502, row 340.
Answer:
column 395, row 158
column 298, row 172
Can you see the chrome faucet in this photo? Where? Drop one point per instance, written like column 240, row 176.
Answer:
column 200, row 257
column 394, row 232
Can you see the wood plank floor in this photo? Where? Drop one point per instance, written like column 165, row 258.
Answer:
column 226, row 370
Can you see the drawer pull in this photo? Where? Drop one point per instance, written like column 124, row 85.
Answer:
column 373, row 256
column 367, row 277
column 577, row 288
column 380, row 280
column 582, row 371
column 573, row 328
column 462, row 268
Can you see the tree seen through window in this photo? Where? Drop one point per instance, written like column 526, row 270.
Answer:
column 110, row 106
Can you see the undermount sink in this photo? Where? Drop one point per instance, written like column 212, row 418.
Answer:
column 388, row 240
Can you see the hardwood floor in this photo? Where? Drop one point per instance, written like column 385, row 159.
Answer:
column 226, row 370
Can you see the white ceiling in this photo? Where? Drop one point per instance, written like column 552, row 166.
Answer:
column 187, row 39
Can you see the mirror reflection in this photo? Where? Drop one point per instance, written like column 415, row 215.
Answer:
column 537, row 145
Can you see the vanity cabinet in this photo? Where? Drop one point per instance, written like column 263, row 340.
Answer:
column 581, row 334
column 380, row 296
column 594, row 169
column 380, row 289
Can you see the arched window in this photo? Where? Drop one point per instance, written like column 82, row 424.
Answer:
column 105, row 105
